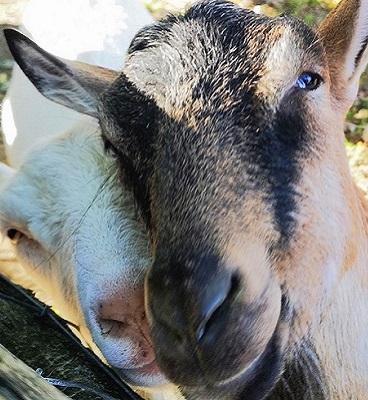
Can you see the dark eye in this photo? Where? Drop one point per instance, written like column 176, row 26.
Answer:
column 308, row 81
column 14, row 235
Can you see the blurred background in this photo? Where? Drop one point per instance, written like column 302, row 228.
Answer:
column 310, row 11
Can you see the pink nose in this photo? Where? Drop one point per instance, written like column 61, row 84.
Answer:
column 121, row 316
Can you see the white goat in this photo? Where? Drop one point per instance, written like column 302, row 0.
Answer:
column 75, row 231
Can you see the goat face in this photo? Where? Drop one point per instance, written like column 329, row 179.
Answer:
column 221, row 122
column 235, row 181
column 222, row 190
column 82, row 249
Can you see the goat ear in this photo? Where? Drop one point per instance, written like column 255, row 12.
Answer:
column 73, row 84
column 344, row 33
column 5, row 173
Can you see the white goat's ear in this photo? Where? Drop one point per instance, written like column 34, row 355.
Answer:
column 74, row 84
column 344, row 33
column 6, row 173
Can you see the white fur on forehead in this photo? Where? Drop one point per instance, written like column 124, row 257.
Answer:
column 166, row 70
column 286, row 60
column 285, row 52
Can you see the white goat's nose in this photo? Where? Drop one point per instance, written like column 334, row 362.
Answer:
column 121, row 321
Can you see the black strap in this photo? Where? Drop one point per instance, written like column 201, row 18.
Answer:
column 14, row 293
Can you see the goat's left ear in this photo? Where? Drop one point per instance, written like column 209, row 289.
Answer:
column 344, row 33
column 73, row 84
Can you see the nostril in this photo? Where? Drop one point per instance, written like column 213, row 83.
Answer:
column 235, row 286
column 120, row 314
column 225, row 293
column 208, row 313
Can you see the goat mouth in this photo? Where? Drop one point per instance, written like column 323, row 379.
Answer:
column 147, row 375
column 258, row 378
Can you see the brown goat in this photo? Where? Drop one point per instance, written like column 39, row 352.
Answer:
column 229, row 128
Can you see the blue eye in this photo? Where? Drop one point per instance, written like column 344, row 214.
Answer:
column 308, row 81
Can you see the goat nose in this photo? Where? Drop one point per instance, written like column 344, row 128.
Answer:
column 212, row 297
column 209, row 322
column 184, row 298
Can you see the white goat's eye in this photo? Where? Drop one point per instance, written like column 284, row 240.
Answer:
column 14, row 235
column 308, row 81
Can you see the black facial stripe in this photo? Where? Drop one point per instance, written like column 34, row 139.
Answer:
column 135, row 117
column 276, row 149
column 287, row 142
column 131, row 179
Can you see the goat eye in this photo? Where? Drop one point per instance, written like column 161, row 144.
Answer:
column 14, row 235
column 308, row 81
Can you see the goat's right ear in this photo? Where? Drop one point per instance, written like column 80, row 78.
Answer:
column 74, row 84
column 344, row 34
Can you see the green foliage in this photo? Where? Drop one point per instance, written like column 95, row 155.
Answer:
column 358, row 156
column 310, row 11
column 357, row 118
column 160, row 8
column 5, row 72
